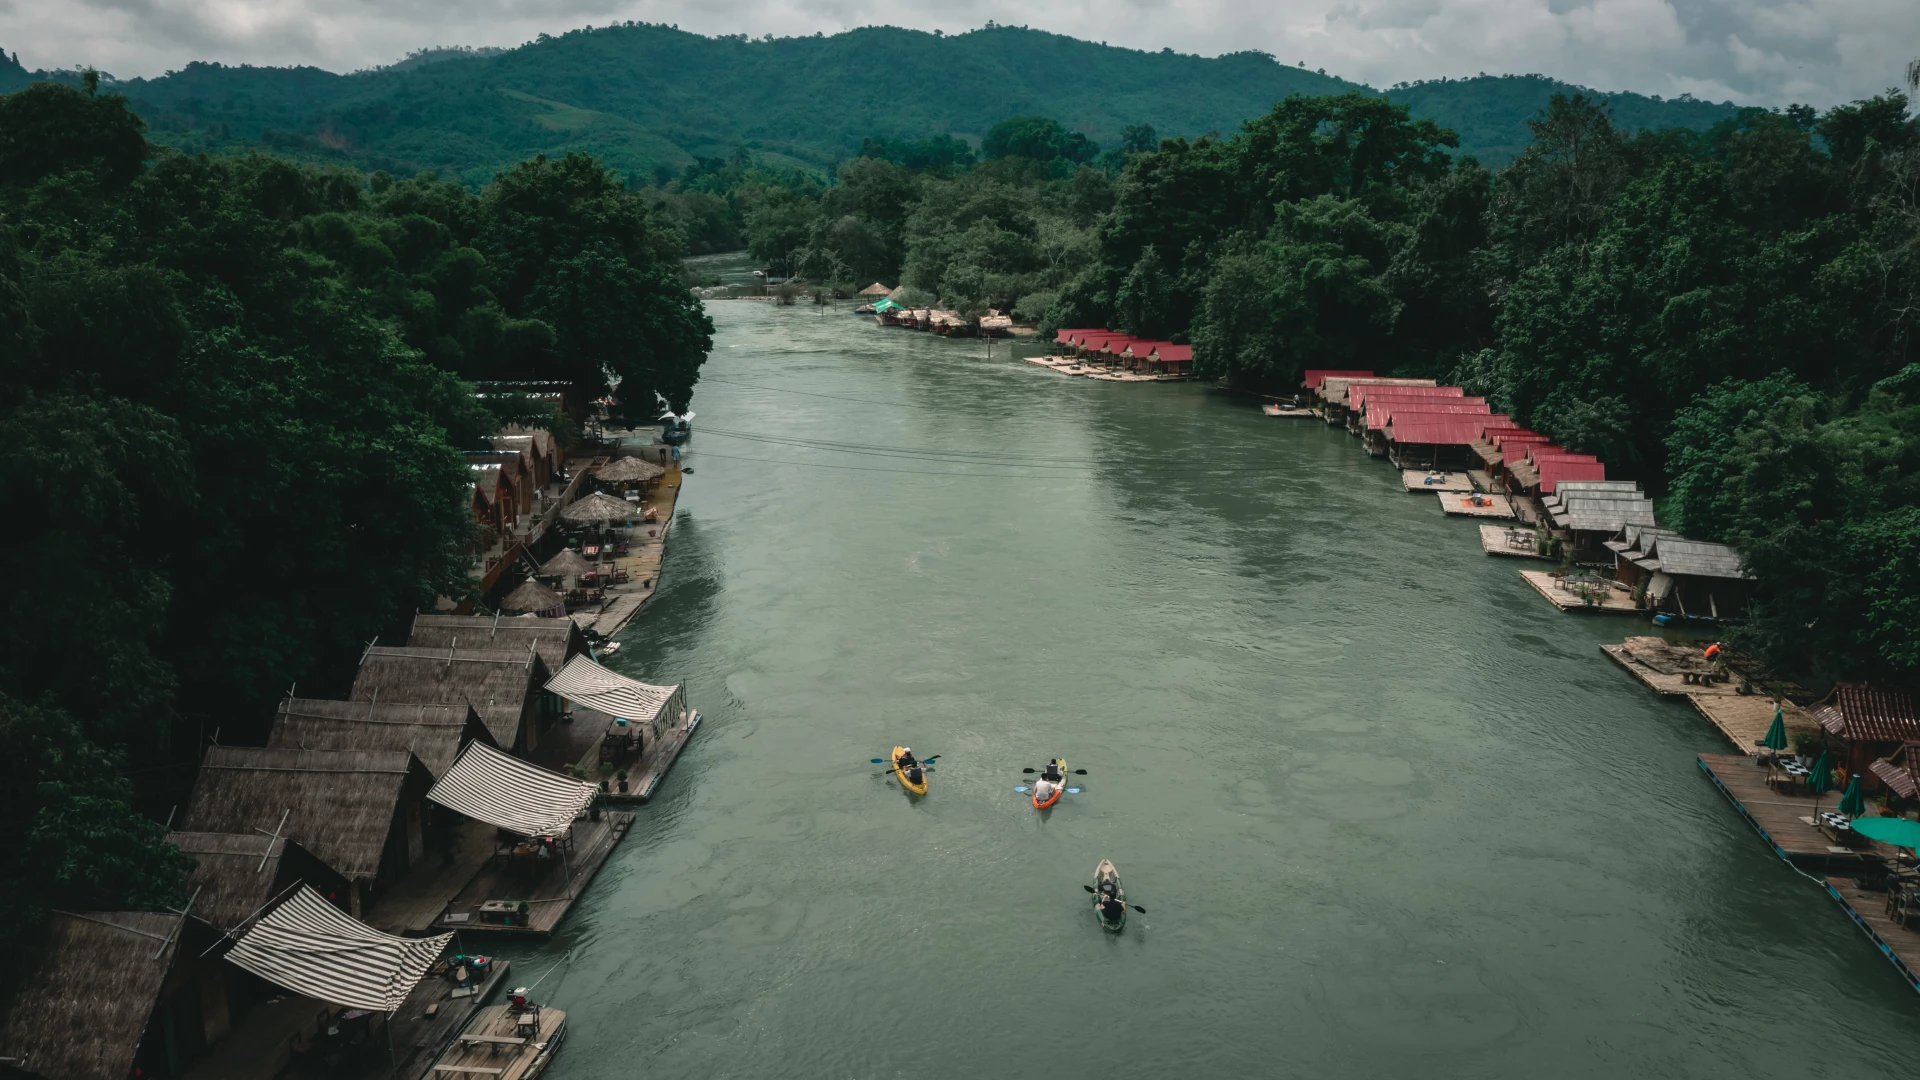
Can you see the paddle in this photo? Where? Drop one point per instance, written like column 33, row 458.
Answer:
column 1070, row 791
column 1076, row 772
column 923, row 761
column 1135, row 907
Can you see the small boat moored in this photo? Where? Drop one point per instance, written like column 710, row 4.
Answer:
column 515, row 1041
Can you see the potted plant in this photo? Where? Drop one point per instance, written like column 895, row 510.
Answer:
column 621, row 776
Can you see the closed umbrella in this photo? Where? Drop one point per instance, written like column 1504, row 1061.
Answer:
column 1776, row 737
column 1820, row 780
column 1852, row 802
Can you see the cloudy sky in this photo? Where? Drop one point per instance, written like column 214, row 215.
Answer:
column 1768, row 52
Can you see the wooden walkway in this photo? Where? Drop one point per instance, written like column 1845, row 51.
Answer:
column 550, row 895
column 411, row 905
column 1661, row 666
column 418, row 1039
column 490, row 1048
column 581, row 746
column 1461, row 505
column 1416, row 480
column 642, row 562
column 1605, row 597
column 1509, row 540
column 1868, row 910
column 1785, row 821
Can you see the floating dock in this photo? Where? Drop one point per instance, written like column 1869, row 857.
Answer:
column 1517, row 541
column 646, row 550
column 1461, row 504
column 1422, row 480
column 1867, row 909
column 1785, row 821
column 1604, row 597
column 548, row 892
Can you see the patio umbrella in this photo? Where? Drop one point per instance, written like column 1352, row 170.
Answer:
column 568, row 564
column 1852, row 802
column 535, row 597
column 626, row 470
column 1776, row 737
column 1889, row 830
column 1820, row 780
column 599, row 508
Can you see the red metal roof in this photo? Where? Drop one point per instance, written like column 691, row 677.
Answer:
column 1518, row 438
column 1172, row 353
column 1437, row 431
column 1384, row 413
column 1316, row 376
column 1537, row 453
column 1141, row 348
column 1869, row 714
column 1553, row 472
column 1361, row 393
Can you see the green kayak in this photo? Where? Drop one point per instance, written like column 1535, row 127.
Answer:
column 1106, row 879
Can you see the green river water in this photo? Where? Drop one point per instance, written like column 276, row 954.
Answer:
column 1389, row 812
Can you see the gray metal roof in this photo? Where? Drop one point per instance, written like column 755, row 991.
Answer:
column 1696, row 558
column 1598, row 485
column 1606, row 520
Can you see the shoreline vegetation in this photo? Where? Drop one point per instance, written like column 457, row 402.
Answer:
column 246, row 398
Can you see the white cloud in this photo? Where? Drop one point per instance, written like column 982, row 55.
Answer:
column 1766, row 52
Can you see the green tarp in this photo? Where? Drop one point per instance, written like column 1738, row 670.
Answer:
column 886, row 305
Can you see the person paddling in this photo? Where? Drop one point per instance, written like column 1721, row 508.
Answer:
column 1052, row 771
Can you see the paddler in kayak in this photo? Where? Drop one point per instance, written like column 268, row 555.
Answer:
column 1111, row 908
column 909, row 766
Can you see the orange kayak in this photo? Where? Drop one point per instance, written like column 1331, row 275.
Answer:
column 1058, row 789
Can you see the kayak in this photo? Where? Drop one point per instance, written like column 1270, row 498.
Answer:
column 1104, row 873
column 919, row 788
column 1055, row 797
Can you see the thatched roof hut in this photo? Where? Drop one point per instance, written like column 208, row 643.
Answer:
column 556, row 640
column 626, row 470
column 599, row 508
column 434, row 733
column 83, row 1012
column 535, row 597
column 237, row 873
column 568, row 564
column 502, row 684
column 339, row 804
column 875, row 289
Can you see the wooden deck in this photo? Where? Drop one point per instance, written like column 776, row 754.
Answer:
column 1785, row 821
column 1660, row 665
column 642, row 562
column 1508, row 540
column 644, row 776
column 418, row 1039
column 1898, row 944
column 1607, row 599
column 578, row 743
column 1416, row 480
column 489, row 1047
column 550, row 895
column 1459, row 504
column 415, row 902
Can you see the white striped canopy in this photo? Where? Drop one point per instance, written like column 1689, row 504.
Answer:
column 311, row 947
column 586, row 683
column 519, row 796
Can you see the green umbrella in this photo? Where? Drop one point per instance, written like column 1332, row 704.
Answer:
column 1820, row 780
column 1852, row 802
column 1889, row 830
column 1776, row 739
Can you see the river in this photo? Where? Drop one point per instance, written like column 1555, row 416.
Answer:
column 1388, row 812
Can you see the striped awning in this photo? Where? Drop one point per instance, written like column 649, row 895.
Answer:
column 311, row 947
column 515, row 795
column 584, row 682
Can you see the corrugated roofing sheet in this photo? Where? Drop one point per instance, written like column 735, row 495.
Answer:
column 1459, row 431
column 1552, row 472
column 1316, row 376
column 1172, row 353
column 1695, row 558
column 1380, row 414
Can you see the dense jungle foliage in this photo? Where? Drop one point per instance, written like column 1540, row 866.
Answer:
column 1726, row 315
column 234, row 393
column 648, row 100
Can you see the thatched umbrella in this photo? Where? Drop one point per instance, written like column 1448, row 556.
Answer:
column 599, row 508
column 533, row 596
column 568, row 564
column 628, row 469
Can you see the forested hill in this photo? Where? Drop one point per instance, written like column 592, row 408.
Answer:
column 649, row 98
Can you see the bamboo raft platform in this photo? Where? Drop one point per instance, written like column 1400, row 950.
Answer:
column 489, row 1046
column 578, row 743
column 1867, row 909
column 1286, row 413
column 1607, row 599
column 1509, row 540
column 1461, row 503
column 1784, row 820
column 549, row 896
column 1417, row 480
column 1662, row 667
column 418, row 1039
column 641, row 563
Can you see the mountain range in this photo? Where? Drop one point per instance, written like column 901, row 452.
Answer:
column 649, row 98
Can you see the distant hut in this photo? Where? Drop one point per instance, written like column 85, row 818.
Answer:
column 536, row 598
column 435, row 733
column 628, row 470
column 502, row 684
column 358, row 811
column 555, row 640
column 599, row 509
column 1867, row 723
column 1673, row 573
column 119, row 994
column 876, row 289
column 237, row 874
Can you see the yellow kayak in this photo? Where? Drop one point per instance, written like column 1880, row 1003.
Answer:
column 919, row 788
